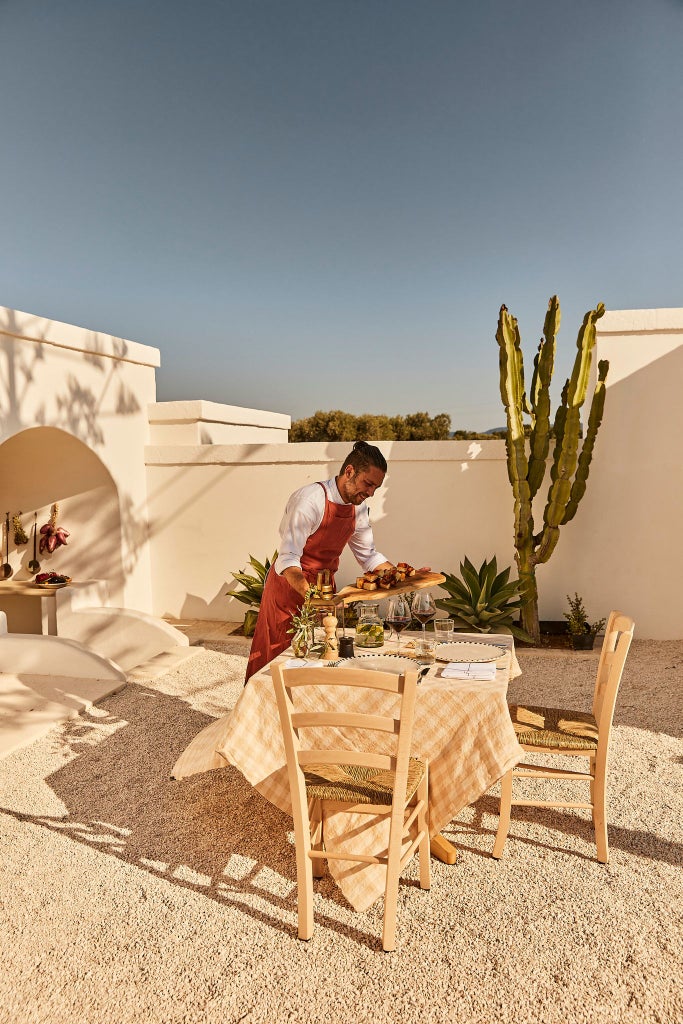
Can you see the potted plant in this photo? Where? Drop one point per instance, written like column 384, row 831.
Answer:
column 582, row 633
column 483, row 601
column 252, row 591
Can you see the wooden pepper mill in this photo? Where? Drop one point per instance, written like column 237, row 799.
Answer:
column 331, row 643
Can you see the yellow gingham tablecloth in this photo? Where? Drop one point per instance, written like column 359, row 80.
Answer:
column 462, row 727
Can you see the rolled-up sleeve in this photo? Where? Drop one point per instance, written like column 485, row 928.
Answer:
column 362, row 542
column 303, row 515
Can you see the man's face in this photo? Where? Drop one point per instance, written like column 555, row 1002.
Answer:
column 355, row 487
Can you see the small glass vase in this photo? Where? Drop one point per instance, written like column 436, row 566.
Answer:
column 303, row 642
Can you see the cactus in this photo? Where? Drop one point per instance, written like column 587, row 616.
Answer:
column 526, row 472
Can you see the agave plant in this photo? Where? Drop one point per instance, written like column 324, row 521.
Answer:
column 484, row 601
column 252, row 591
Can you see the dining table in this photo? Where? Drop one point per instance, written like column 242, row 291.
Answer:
column 461, row 726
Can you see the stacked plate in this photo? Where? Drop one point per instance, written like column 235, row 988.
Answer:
column 381, row 662
column 469, row 651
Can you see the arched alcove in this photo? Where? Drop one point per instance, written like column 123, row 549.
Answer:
column 43, row 465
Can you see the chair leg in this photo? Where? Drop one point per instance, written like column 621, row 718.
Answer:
column 304, row 878
column 423, row 825
column 390, row 901
column 316, row 819
column 396, row 833
column 600, row 816
column 504, row 812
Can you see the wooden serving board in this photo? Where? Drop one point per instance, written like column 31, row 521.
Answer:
column 420, row 581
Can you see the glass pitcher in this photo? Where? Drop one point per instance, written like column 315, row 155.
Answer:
column 369, row 628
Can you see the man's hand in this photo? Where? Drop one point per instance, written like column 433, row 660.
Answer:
column 296, row 580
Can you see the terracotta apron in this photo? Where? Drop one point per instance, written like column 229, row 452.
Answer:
column 280, row 601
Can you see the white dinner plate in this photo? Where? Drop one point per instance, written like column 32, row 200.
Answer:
column 469, row 651
column 381, row 662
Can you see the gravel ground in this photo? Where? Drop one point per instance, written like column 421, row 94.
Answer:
column 127, row 897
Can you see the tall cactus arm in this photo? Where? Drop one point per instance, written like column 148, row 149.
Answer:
column 585, row 343
column 594, row 421
column 540, row 397
column 573, row 395
column 511, row 371
column 512, row 394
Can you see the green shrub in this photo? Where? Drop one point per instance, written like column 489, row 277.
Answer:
column 577, row 619
column 252, row 591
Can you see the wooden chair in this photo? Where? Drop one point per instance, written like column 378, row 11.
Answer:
column 360, row 780
column 574, row 733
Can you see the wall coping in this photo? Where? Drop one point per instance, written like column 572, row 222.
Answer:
column 41, row 331
column 640, row 321
column 319, row 452
column 194, row 411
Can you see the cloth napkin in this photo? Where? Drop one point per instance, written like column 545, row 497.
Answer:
column 469, row 670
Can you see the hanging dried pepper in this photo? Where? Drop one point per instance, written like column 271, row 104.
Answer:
column 51, row 535
column 19, row 532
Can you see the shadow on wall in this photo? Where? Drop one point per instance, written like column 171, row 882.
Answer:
column 75, row 408
column 44, row 465
column 56, row 433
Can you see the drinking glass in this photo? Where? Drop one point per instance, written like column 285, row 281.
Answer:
column 425, row 651
column 443, row 630
column 398, row 617
column 424, row 609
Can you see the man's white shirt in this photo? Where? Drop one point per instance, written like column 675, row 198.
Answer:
column 304, row 514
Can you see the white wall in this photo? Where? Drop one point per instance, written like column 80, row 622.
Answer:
column 624, row 548
column 73, row 427
column 166, row 523
column 210, row 507
column 176, row 423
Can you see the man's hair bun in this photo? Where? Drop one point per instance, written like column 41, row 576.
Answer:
column 363, row 455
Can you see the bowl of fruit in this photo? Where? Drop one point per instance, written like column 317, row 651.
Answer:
column 51, row 580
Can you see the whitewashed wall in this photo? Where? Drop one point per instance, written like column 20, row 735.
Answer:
column 212, row 506
column 625, row 546
column 165, row 512
column 73, row 429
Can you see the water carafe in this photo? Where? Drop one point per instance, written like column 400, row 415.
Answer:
column 370, row 628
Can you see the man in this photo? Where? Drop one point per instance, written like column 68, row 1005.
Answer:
column 319, row 520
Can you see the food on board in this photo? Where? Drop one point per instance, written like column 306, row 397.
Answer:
column 385, row 579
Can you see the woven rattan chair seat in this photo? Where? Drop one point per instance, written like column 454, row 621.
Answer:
column 552, row 727
column 360, row 785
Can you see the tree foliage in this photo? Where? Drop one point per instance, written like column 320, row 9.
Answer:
column 344, row 426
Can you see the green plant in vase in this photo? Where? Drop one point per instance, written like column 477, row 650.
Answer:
column 303, row 628
column 252, row 591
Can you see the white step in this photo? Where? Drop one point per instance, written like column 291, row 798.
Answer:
column 32, row 705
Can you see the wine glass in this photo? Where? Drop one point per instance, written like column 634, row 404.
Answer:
column 424, row 609
column 398, row 617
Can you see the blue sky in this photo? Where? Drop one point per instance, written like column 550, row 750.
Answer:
column 316, row 205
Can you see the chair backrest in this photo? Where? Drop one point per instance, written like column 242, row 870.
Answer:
column 347, row 716
column 615, row 646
